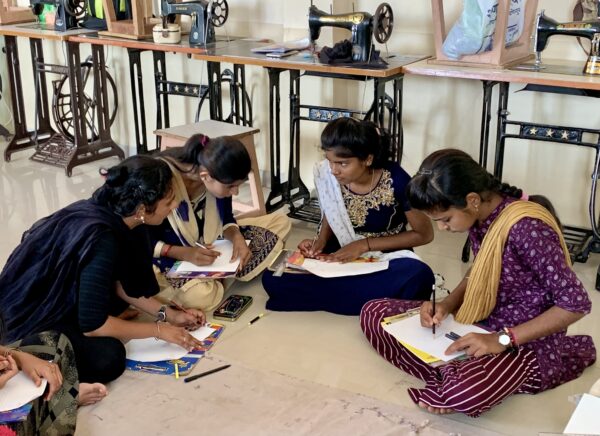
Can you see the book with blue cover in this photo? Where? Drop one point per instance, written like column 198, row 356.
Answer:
column 185, row 364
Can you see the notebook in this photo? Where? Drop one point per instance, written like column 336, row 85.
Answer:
column 407, row 329
column 220, row 268
column 185, row 361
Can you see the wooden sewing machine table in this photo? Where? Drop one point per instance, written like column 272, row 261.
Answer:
column 164, row 87
column 53, row 147
column 294, row 189
column 559, row 76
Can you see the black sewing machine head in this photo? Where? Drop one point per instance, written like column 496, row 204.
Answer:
column 362, row 25
column 206, row 15
column 68, row 12
column 545, row 27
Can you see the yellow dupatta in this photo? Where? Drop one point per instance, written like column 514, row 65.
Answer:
column 187, row 229
column 482, row 288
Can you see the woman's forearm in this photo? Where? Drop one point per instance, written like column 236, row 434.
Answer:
column 126, row 330
column 551, row 321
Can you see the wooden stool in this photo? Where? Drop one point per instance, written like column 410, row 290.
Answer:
column 176, row 137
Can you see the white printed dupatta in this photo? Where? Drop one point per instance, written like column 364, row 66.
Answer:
column 333, row 208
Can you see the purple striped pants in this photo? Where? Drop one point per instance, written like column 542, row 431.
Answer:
column 470, row 386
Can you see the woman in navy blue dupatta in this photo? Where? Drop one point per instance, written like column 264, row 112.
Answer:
column 76, row 270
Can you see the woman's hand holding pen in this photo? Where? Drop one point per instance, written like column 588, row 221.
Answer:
column 191, row 319
column 178, row 336
column 200, row 255
column 428, row 318
column 311, row 248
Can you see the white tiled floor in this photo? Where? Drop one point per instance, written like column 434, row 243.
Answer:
column 318, row 347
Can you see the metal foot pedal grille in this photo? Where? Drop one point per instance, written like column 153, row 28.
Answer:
column 56, row 151
column 309, row 211
column 578, row 242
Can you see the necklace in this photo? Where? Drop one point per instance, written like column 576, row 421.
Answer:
column 371, row 187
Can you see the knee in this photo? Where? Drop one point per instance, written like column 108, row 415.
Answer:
column 420, row 282
column 204, row 296
column 108, row 363
column 371, row 315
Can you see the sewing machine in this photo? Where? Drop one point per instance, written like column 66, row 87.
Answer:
column 205, row 17
column 545, row 27
column 68, row 12
column 362, row 25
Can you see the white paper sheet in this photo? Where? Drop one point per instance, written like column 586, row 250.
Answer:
column 337, row 269
column 221, row 263
column 151, row 350
column 19, row 391
column 585, row 417
column 410, row 331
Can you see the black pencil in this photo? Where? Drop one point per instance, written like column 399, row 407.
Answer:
column 212, row 371
column 433, row 309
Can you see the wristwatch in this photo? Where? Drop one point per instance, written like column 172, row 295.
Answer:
column 504, row 338
column 161, row 315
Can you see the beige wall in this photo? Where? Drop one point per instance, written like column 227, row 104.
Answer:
column 437, row 112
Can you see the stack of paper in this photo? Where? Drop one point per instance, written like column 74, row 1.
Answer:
column 221, row 267
column 420, row 340
column 19, row 391
column 284, row 48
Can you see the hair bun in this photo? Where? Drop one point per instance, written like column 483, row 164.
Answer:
column 117, row 176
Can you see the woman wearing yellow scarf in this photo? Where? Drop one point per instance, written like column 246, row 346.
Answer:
column 521, row 288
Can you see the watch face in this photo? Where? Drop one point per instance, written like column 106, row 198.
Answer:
column 162, row 314
column 504, row 339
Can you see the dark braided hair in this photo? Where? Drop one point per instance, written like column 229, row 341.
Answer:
column 447, row 176
column 138, row 180
column 225, row 158
column 349, row 138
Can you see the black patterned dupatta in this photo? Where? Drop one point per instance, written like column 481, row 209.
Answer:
column 38, row 284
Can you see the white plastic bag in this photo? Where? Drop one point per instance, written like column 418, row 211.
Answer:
column 474, row 30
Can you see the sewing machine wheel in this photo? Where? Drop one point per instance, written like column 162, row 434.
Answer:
column 75, row 8
column 219, row 12
column 61, row 103
column 383, row 23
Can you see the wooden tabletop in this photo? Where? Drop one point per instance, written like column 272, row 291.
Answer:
column 304, row 61
column 149, row 44
column 556, row 73
column 210, row 128
column 39, row 31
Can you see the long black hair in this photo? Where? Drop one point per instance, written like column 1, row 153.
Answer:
column 225, row 158
column 447, row 176
column 138, row 180
column 349, row 137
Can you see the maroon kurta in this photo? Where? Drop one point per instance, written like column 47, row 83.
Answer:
column 534, row 278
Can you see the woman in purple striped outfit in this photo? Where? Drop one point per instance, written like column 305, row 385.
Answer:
column 521, row 287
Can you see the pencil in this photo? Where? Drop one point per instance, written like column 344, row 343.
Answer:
column 176, row 371
column 433, row 309
column 212, row 371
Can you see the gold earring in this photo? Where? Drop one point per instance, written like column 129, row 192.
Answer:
column 141, row 219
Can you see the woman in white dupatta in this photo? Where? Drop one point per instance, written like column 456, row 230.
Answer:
column 365, row 212
column 206, row 173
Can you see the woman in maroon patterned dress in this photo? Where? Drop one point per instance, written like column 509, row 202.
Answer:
column 536, row 296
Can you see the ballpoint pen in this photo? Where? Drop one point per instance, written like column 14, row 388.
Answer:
column 433, row 309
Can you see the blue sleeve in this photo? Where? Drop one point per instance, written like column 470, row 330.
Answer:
column 400, row 179
column 225, row 207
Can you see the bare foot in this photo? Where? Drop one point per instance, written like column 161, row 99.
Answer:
column 435, row 410
column 129, row 313
column 91, row 393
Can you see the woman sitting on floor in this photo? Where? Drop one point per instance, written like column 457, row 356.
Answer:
column 78, row 269
column 361, row 194
column 206, row 173
column 48, row 356
column 521, row 287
